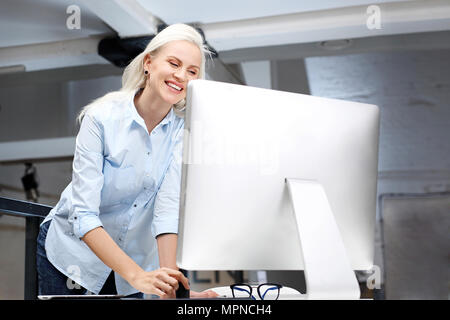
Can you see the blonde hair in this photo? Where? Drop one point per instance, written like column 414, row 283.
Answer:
column 133, row 77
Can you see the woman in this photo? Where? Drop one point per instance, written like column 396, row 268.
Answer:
column 114, row 230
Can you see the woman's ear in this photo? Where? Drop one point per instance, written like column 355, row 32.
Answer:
column 147, row 61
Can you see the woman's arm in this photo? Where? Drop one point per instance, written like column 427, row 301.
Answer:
column 167, row 249
column 162, row 282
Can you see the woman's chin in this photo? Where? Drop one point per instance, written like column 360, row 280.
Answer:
column 174, row 101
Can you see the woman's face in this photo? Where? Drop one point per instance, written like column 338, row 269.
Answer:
column 171, row 68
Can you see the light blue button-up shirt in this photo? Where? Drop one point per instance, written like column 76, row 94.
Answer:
column 125, row 180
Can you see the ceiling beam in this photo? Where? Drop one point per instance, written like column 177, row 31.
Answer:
column 404, row 42
column 332, row 24
column 52, row 55
column 127, row 17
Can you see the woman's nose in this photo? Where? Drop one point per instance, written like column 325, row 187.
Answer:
column 180, row 74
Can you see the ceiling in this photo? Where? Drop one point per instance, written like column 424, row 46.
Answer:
column 205, row 11
column 35, row 35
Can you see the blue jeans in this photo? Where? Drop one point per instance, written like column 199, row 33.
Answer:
column 52, row 282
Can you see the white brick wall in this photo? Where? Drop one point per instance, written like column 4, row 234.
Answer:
column 412, row 90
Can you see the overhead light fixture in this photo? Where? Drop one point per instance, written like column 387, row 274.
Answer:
column 12, row 69
column 333, row 45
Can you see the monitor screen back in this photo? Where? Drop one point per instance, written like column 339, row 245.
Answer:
column 240, row 144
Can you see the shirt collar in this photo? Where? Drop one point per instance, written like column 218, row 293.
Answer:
column 136, row 117
column 168, row 118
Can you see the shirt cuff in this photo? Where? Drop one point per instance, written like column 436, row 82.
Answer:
column 160, row 228
column 85, row 222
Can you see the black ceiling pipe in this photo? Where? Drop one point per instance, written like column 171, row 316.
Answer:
column 121, row 51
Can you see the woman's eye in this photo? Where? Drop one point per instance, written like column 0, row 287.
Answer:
column 193, row 73
column 173, row 63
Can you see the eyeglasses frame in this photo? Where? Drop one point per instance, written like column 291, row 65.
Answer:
column 258, row 288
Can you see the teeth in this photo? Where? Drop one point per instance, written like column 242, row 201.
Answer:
column 173, row 86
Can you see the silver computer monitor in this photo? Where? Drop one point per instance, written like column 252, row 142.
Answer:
column 241, row 144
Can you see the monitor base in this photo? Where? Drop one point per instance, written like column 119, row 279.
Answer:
column 328, row 272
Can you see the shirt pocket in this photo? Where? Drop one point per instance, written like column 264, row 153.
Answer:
column 119, row 185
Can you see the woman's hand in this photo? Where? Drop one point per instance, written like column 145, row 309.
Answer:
column 204, row 294
column 162, row 282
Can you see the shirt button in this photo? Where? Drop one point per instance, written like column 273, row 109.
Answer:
column 135, row 205
column 148, row 153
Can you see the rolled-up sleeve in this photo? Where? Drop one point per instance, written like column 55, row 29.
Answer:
column 87, row 178
column 166, row 212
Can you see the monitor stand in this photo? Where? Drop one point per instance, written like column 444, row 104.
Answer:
column 328, row 272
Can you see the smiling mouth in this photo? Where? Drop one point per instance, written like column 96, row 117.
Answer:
column 174, row 86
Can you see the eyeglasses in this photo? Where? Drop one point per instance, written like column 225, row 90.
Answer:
column 266, row 291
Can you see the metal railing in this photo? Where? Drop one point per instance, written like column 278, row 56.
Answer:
column 33, row 213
